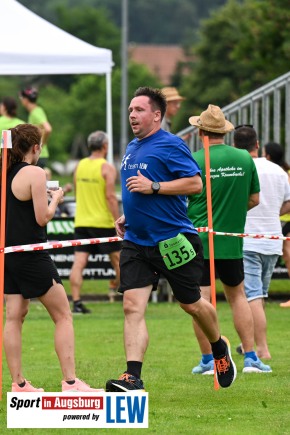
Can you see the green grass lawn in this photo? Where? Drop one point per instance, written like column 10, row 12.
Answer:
column 179, row 403
column 95, row 287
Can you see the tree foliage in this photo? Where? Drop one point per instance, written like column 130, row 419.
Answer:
column 243, row 45
column 150, row 22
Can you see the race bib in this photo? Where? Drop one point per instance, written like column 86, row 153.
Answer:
column 176, row 251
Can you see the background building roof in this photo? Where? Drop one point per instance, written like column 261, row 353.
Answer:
column 162, row 60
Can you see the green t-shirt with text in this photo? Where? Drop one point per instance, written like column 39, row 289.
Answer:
column 233, row 179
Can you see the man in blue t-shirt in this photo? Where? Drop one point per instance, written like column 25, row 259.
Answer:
column 157, row 173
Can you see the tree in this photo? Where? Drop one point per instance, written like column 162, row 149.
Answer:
column 91, row 25
column 159, row 22
column 242, row 46
column 85, row 110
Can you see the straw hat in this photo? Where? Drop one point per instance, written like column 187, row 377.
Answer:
column 212, row 119
column 172, row 94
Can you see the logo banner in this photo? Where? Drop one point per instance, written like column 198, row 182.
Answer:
column 77, row 410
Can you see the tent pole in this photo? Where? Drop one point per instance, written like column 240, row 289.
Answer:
column 109, row 116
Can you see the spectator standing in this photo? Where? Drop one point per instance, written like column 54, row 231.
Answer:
column 157, row 172
column 96, row 210
column 173, row 100
column 261, row 255
column 235, row 189
column 8, row 112
column 38, row 117
column 275, row 153
column 173, row 104
column 33, row 274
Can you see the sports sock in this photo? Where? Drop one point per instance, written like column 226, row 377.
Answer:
column 22, row 384
column 134, row 368
column 218, row 348
column 206, row 358
column 251, row 355
column 70, row 382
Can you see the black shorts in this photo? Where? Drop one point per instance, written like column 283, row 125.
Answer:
column 141, row 266
column 96, row 233
column 286, row 229
column 230, row 272
column 30, row 274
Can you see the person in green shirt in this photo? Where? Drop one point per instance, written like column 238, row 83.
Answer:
column 234, row 190
column 37, row 116
column 8, row 112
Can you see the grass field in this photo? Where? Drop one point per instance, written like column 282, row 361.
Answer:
column 94, row 287
column 179, row 403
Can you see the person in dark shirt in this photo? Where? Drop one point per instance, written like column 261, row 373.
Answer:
column 33, row 274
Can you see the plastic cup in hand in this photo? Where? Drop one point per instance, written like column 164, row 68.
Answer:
column 52, row 185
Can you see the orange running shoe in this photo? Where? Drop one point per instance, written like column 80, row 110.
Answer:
column 126, row 382
column 226, row 371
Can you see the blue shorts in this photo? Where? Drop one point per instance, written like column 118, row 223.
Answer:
column 258, row 270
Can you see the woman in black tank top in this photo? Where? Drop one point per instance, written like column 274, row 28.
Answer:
column 33, row 274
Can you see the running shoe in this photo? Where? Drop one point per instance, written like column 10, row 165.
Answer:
column 80, row 308
column 28, row 388
column 126, row 382
column 285, row 304
column 78, row 386
column 226, row 371
column 252, row 366
column 204, row 369
column 240, row 349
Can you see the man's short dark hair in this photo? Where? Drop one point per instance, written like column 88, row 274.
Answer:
column 245, row 138
column 156, row 97
column 96, row 140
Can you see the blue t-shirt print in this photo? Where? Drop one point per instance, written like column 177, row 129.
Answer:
column 152, row 218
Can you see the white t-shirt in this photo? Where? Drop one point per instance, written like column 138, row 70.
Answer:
column 265, row 217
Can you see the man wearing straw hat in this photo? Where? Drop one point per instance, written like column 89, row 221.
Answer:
column 173, row 104
column 234, row 190
column 173, row 100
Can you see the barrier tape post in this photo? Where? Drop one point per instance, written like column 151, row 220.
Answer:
column 210, row 231
column 5, row 143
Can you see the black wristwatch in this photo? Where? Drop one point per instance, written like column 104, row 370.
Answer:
column 155, row 187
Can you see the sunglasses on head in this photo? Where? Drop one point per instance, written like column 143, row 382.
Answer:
column 244, row 125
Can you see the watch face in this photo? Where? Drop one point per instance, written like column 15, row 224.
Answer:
column 155, row 186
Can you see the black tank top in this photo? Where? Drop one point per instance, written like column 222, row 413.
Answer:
column 21, row 225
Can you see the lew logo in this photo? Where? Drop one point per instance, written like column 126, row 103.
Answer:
column 127, row 409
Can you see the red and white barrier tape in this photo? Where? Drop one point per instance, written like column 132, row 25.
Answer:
column 68, row 243
column 56, row 245
column 246, row 235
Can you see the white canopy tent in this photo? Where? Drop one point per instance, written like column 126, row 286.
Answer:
column 30, row 45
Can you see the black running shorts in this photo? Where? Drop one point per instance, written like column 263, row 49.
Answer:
column 96, row 233
column 285, row 228
column 30, row 274
column 230, row 272
column 141, row 266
